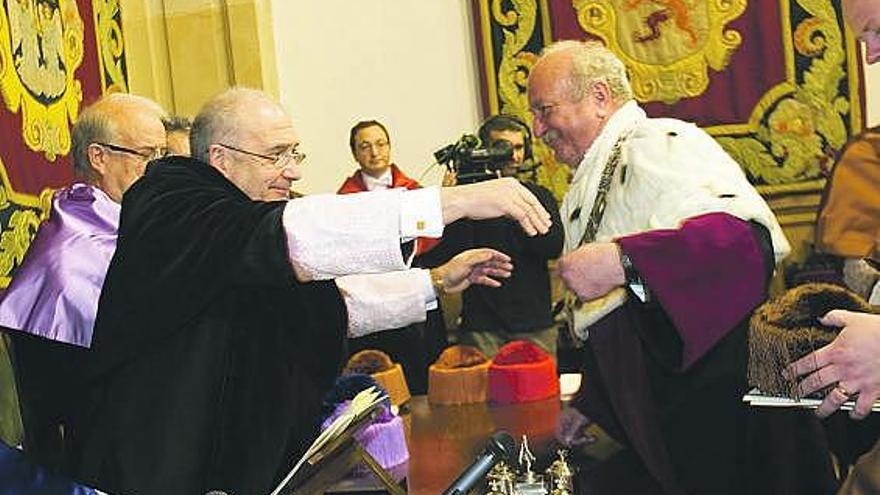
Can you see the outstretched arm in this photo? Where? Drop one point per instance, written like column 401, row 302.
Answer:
column 330, row 236
column 475, row 266
column 495, row 198
column 382, row 301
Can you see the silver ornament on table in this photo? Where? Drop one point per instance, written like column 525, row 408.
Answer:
column 528, row 483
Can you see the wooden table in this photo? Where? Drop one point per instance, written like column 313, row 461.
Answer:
column 444, row 440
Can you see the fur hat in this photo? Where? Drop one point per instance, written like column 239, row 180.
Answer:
column 387, row 373
column 785, row 329
column 459, row 376
column 522, row 372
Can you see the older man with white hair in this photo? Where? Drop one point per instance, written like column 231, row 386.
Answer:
column 668, row 249
column 51, row 303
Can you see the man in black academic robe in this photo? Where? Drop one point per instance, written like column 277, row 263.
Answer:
column 210, row 354
column 217, row 326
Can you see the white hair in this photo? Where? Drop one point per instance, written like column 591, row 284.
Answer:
column 592, row 62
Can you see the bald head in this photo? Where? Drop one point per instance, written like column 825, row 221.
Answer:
column 225, row 118
column 246, row 135
column 104, row 121
column 114, row 138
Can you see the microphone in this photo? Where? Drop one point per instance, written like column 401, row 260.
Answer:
column 499, row 448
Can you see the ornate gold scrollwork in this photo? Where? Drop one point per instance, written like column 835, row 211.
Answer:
column 789, row 133
column 37, row 70
column 108, row 30
column 668, row 45
column 794, row 122
column 518, row 27
column 28, row 212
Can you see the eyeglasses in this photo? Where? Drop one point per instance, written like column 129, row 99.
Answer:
column 365, row 146
column 153, row 154
column 279, row 161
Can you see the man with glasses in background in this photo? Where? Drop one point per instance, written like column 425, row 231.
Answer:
column 53, row 297
column 224, row 312
column 371, row 147
column 417, row 346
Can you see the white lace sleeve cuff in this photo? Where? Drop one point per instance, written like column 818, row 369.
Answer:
column 383, row 301
column 333, row 235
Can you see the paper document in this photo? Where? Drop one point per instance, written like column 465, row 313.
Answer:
column 362, row 403
column 756, row 398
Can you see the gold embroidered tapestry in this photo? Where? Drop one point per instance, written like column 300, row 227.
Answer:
column 777, row 83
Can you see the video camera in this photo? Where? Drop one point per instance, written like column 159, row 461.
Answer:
column 471, row 163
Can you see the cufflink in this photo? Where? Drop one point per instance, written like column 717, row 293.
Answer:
column 420, row 225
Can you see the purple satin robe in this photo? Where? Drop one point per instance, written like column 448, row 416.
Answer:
column 54, row 293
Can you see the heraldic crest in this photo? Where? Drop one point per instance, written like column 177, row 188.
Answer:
column 37, row 66
column 668, row 45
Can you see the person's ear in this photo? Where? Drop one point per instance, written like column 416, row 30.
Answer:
column 218, row 158
column 97, row 156
column 601, row 95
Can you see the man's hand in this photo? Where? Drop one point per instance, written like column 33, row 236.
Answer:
column 474, row 266
column 851, row 363
column 592, row 270
column 571, row 430
column 492, row 199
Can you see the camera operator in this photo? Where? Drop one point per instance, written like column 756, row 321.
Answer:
column 520, row 308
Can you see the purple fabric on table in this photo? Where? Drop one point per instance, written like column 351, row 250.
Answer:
column 55, row 291
column 708, row 275
column 384, row 439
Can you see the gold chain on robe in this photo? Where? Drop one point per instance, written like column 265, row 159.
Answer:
column 571, row 303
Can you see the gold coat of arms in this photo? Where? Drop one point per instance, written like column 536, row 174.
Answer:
column 668, row 45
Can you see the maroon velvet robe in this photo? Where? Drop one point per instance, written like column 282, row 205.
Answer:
column 665, row 378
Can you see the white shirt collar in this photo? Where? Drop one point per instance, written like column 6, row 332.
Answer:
column 381, row 182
